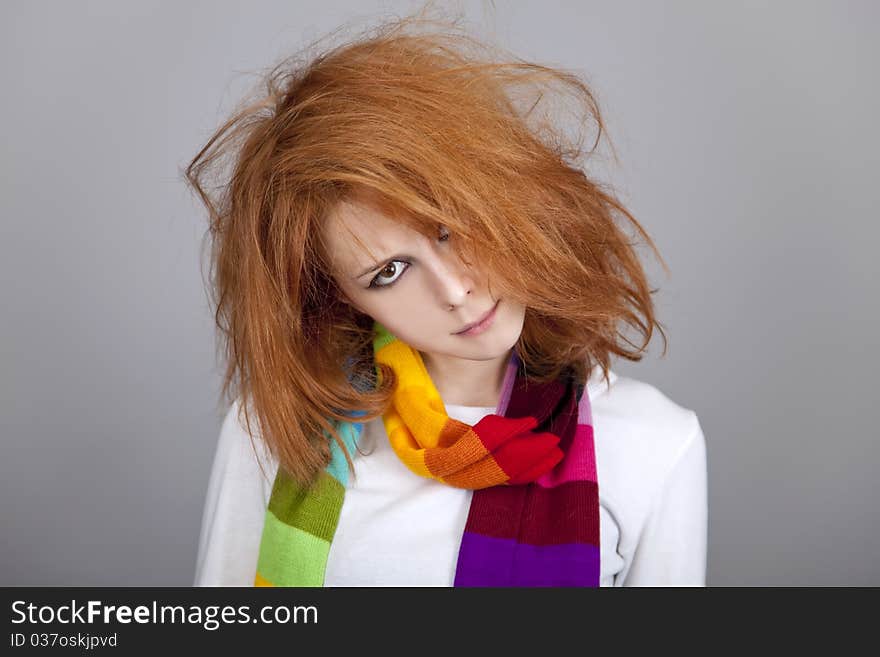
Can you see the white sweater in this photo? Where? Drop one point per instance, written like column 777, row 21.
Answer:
column 399, row 529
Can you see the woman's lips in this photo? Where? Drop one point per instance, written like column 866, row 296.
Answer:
column 482, row 325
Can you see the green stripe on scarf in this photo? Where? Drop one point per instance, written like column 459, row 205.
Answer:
column 292, row 557
column 301, row 522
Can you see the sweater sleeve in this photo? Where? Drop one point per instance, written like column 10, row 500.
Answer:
column 235, row 508
column 672, row 548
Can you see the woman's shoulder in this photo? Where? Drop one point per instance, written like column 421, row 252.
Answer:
column 638, row 428
column 243, row 453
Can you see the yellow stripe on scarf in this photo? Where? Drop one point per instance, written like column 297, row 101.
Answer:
column 417, row 417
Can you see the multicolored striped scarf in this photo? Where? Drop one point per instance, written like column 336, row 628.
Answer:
column 534, row 513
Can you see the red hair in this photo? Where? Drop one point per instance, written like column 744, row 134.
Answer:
column 442, row 131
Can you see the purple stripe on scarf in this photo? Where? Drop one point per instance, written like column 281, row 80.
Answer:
column 507, row 385
column 488, row 563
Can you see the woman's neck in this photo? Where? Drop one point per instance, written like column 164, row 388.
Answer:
column 463, row 382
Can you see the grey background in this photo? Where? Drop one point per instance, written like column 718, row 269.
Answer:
column 748, row 148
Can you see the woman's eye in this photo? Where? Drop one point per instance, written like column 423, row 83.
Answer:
column 392, row 270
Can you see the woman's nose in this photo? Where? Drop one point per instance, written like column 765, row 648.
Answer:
column 453, row 278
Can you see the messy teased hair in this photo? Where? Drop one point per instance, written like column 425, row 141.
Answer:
column 444, row 131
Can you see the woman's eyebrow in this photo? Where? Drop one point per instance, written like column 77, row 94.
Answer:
column 378, row 264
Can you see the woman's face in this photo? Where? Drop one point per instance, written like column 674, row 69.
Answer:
column 416, row 286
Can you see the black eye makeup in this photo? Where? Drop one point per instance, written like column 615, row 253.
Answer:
column 398, row 267
column 397, row 273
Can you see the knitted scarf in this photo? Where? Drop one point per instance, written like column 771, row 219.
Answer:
column 534, row 513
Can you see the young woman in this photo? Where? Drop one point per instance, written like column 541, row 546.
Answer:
column 420, row 292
